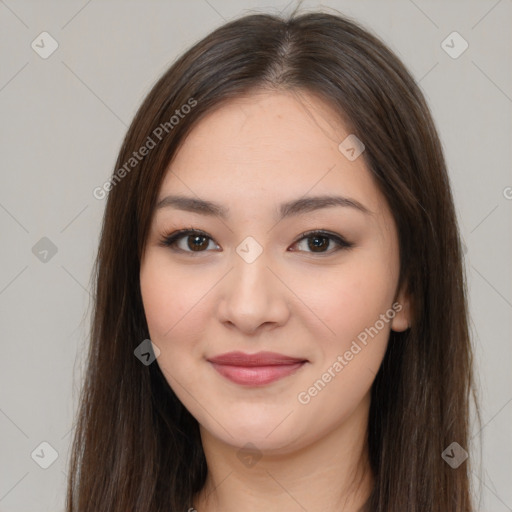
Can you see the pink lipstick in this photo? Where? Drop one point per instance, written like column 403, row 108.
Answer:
column 255, row 369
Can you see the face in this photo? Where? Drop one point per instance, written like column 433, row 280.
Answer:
column 312, row 282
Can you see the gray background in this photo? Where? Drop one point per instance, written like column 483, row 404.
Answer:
column 62, row 122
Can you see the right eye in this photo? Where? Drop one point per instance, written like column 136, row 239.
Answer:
column 195, row 241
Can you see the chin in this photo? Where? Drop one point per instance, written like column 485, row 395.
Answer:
column 268, row 434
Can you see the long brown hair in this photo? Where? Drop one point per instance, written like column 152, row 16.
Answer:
column 136, row 448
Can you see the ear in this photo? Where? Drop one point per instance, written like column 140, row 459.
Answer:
column 402, row 307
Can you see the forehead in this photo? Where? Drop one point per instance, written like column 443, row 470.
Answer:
column 268, row 123
column 269, row 147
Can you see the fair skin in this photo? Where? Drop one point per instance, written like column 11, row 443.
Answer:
column 249, row 156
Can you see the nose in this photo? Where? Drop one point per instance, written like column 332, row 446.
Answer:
column 252, row 297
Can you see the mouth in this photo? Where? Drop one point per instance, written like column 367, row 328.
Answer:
column 256, row 369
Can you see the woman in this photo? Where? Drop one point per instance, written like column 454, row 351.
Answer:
column 280, row 225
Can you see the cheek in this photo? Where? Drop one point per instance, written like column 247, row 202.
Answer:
column 173, row 307
column 364, row 319
column 353, row 297
column 171, row 297
column 348, row 360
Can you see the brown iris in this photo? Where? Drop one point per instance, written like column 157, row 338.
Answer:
column 196, row 245
column 314, row 245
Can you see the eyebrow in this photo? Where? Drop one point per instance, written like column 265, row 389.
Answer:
column 291, row 208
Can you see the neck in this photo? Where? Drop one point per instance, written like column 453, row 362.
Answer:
column 330, row 474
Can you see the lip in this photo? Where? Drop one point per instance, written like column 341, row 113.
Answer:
column 256, row 369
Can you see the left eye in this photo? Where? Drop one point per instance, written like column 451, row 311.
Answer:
column 319, row 240
column 198, row 241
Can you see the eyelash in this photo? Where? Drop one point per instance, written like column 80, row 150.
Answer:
column 171, row 239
